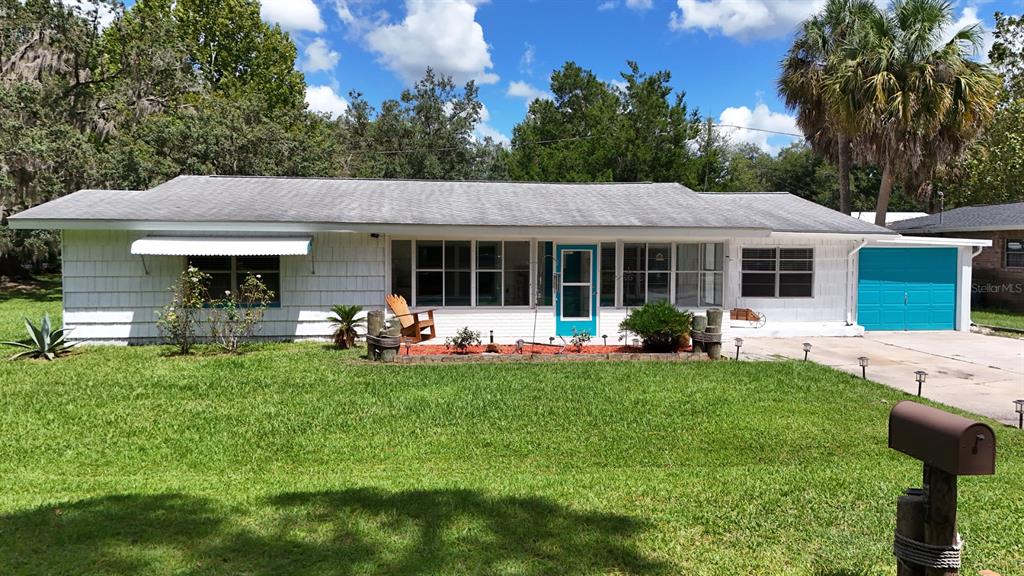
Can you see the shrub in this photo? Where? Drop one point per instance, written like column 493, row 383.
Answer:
column 42, row 342
column 179, row 320
column 345, row 322
column 235, row 318
column 579, row 340
column 662, row 326
column 462, row 340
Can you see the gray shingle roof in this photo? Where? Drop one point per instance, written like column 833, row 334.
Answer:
column 991, row 217
column 449, row 203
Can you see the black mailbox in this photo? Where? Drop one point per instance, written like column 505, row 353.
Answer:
column 945, row 441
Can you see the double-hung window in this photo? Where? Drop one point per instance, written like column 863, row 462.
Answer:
column 227, row 273
column 646, row 273
column 1015, row 253
column 777, row 272
column 699, row 274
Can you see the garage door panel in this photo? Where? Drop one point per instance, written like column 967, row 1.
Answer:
column 907, row 288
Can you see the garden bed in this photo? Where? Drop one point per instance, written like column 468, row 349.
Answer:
column 429, row 353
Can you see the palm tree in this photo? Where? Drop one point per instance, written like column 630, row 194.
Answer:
column 345, row 320
column 926, row 100
column 827, row 113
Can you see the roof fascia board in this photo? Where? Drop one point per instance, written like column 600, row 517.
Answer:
column 992, row 228
column 932, row 241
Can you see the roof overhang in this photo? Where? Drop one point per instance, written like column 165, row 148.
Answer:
column 932, row 241
column 220, row 246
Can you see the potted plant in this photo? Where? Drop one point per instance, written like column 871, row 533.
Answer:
column 344, row 318
column 661, row 326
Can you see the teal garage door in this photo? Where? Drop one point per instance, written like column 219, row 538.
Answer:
column 907, row 289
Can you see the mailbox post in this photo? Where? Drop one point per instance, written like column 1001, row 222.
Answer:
column 926, row 542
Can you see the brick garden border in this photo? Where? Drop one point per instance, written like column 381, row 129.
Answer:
column 530, row 358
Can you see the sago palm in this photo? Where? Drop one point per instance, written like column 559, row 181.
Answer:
column 827, row 114
column 345, row 318
column 926, row 99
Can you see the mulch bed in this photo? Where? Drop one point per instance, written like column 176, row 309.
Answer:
column 510, row 349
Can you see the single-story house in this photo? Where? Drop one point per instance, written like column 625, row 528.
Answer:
column 524, row 260
column 999, row 269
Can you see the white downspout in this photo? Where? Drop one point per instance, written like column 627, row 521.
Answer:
column 849, row 279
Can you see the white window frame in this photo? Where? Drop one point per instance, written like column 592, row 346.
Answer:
column 778, row 272
column 1006, row 253
column 670, row 271
column 701, row 271
column 472, row 270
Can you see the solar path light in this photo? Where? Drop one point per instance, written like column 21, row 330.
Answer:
column 863, row 361
column 807, row 350
column 1020, row 413
column 921, row 377
column 739, row 344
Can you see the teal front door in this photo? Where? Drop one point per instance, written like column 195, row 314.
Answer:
column 907, row 289
column 576, row 297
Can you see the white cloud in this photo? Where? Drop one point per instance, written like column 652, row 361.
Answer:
column 639, row 4
column 527, row 59
column 526, row 91
column 485, row 130
column 760, row 117
column 325, row 99
column 441, row 35
column 969, row 17
column 103, row 13
column 292, row 15
column 743, row 19
column 319, row 57
column 607, row 5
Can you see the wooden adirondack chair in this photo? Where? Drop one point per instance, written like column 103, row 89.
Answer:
column 413, row 327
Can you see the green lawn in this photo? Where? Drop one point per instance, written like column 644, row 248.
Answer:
column 298, row 459
column 18, row 303
column 1000, row 318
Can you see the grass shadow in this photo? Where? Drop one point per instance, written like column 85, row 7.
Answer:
column 323, row 533
column 41, row 289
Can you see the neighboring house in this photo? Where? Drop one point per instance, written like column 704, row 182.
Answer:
column 526, row 260
column 999, row 269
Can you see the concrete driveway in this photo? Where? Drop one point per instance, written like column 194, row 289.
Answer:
column 975, row 372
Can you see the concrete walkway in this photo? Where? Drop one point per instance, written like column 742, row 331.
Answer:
column 975, row 372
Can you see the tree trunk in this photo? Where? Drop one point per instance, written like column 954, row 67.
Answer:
column 884, row 193
column 844, row 174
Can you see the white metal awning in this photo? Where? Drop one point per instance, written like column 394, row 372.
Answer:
column 221, row 246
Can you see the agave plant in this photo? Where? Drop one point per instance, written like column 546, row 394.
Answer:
column 42, row 342
column 345, row 322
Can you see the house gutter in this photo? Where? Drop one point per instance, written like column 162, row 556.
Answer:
column 849, row 279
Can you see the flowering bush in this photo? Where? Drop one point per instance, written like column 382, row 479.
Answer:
column 179, row 320
column 235, row 318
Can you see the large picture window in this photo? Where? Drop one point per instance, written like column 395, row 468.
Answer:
column 777, row 272
column 227, row 273
column 699, row 274
column 503, row 273
column 448, row 272
column 1015, row 253
column 646, row 273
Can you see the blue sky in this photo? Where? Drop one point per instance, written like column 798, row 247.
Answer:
column 723, row 53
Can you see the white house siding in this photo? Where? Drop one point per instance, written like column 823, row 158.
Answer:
column 109, row 296
column 824, row 314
